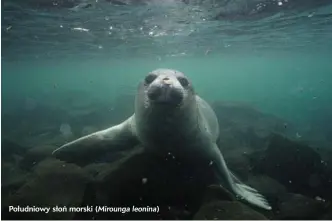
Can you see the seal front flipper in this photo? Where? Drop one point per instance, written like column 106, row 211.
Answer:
column 242, row 191
column 118, row 137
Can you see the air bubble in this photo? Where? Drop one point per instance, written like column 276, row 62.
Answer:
column 311, row 14
column 65, row 130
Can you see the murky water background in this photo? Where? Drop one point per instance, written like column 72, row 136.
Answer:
column 71, row 67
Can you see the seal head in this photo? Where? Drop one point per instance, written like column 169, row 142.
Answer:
column 165, row 109
column 166, row 88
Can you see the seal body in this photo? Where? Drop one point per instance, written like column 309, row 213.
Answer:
column 170, row 118
column 166, row 122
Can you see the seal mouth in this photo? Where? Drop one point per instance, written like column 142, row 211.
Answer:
column 166, row 103
column 165, row 95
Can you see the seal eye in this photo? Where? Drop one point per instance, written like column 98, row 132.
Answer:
column 150, row 78
column 183, row 81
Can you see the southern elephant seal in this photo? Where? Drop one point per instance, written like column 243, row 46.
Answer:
column 168, row 115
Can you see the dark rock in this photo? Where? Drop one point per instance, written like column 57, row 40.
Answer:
column 298, row 167
column 143, row 179
column 52, row 183
column 11, row 149
column 326, row 155
column 178, row 188
column 296, row 206
column 11, row 175
column 227, row 210
column 219, row 203
column 35, row 155
column 266, row 185
column 217, row 192
column 271, row 189
column 243, row 125
column 328, row 214
column 12, row 181
column 238, row 160
column 95, row 169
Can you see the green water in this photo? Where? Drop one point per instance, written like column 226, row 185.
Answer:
column 68, row 71
column 289, row 85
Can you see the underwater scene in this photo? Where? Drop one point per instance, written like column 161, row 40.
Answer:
column 166, row 109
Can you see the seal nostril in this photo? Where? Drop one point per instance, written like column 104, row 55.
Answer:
column 167, row 81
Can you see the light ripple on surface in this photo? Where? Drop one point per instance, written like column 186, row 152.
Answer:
column 157, row 28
